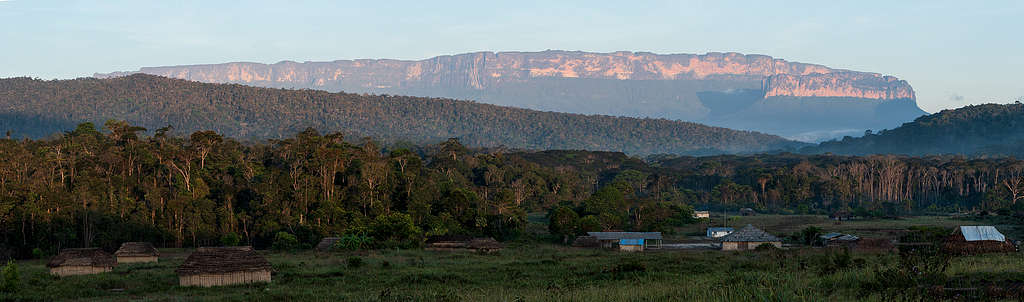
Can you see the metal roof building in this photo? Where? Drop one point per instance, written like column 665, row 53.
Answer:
column 748, row 238
column 717, row 232
column 981, row 233
column 612, row 239
column 973, row 239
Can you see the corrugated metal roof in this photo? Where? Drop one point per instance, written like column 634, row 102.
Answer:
column 981, row 233
column 750, row 234
column 625, row 235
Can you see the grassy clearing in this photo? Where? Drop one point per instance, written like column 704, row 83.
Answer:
column 787, row 224
column 534, row 272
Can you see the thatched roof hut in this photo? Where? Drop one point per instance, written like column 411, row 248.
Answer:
column 459, row 242
column 327, row 243
column 969, row 240
column 137, row 252
column 215, row 266
column 748, row 238
column 85, row 261
column 485, row 245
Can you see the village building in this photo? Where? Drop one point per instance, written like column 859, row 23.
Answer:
column 701, row 214
column 70, row 262
column 635, row 241
column 216, row 266
column 327, row 244
column 838, row 240
column 462, row 243
column 748, row 238
column 969, row 240
column 718, row 232
column 631, row 245
column 137, row 252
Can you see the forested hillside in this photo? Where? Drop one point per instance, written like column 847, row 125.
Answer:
column 101, row 187
column 37, row 108
column 990, row 129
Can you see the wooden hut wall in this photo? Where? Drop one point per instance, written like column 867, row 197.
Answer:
column 137, row 259
column 74, row 270
column 207, row 280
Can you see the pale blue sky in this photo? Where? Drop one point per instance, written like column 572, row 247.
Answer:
column 953, row 52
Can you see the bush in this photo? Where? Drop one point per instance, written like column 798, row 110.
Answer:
column 396, row 229
column 285, row 241
column 9, row 278
column 38, row 253
column 230, row 239
column 590, row 223
column 354, row 262
column 809, row 235
column 354, row 242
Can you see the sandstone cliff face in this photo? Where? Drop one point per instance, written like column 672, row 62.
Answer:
column 839, row 84
column 482, row 70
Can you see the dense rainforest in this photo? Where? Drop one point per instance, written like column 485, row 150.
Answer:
column 989, row 129
column 100, row 187
column 35, row 108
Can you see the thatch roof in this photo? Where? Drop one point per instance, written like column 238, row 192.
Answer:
column 750, row 234
column 137, row 249
column 83, row 257
column 220, row 260
column 449, row 238
column 625, row 235
column 484, row 243
column 327, row 243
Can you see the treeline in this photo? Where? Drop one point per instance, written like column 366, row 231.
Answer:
column 976, row 130
column 877, row 185
column 36, row 108
column 91, row 187
column 101, row 187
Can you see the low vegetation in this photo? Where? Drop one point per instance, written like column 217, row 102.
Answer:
column 544, row 272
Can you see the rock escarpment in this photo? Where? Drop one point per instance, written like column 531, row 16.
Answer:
column 713, row 88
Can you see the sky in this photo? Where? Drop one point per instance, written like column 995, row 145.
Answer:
column 953, row 53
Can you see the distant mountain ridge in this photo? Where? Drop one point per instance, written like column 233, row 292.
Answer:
column 39, row 108
column 989, row 129
column 636, row 84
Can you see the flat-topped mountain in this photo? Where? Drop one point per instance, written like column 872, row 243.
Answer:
column 753, row 92
column 36, row 108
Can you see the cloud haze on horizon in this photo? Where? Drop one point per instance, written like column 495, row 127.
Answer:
column 954, row 53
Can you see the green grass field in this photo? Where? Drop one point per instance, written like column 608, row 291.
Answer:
column 532, row 271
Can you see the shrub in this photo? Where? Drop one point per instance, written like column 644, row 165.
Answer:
column 38, row 253
column 809, row 235
column 590, row 223
column 354, row 262
column 230, row 239
column 285, row 241
column 9, row 278
column 354, row 242
column 396, row 228
column 563, row 222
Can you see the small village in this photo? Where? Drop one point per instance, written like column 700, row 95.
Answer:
column 235, row 265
